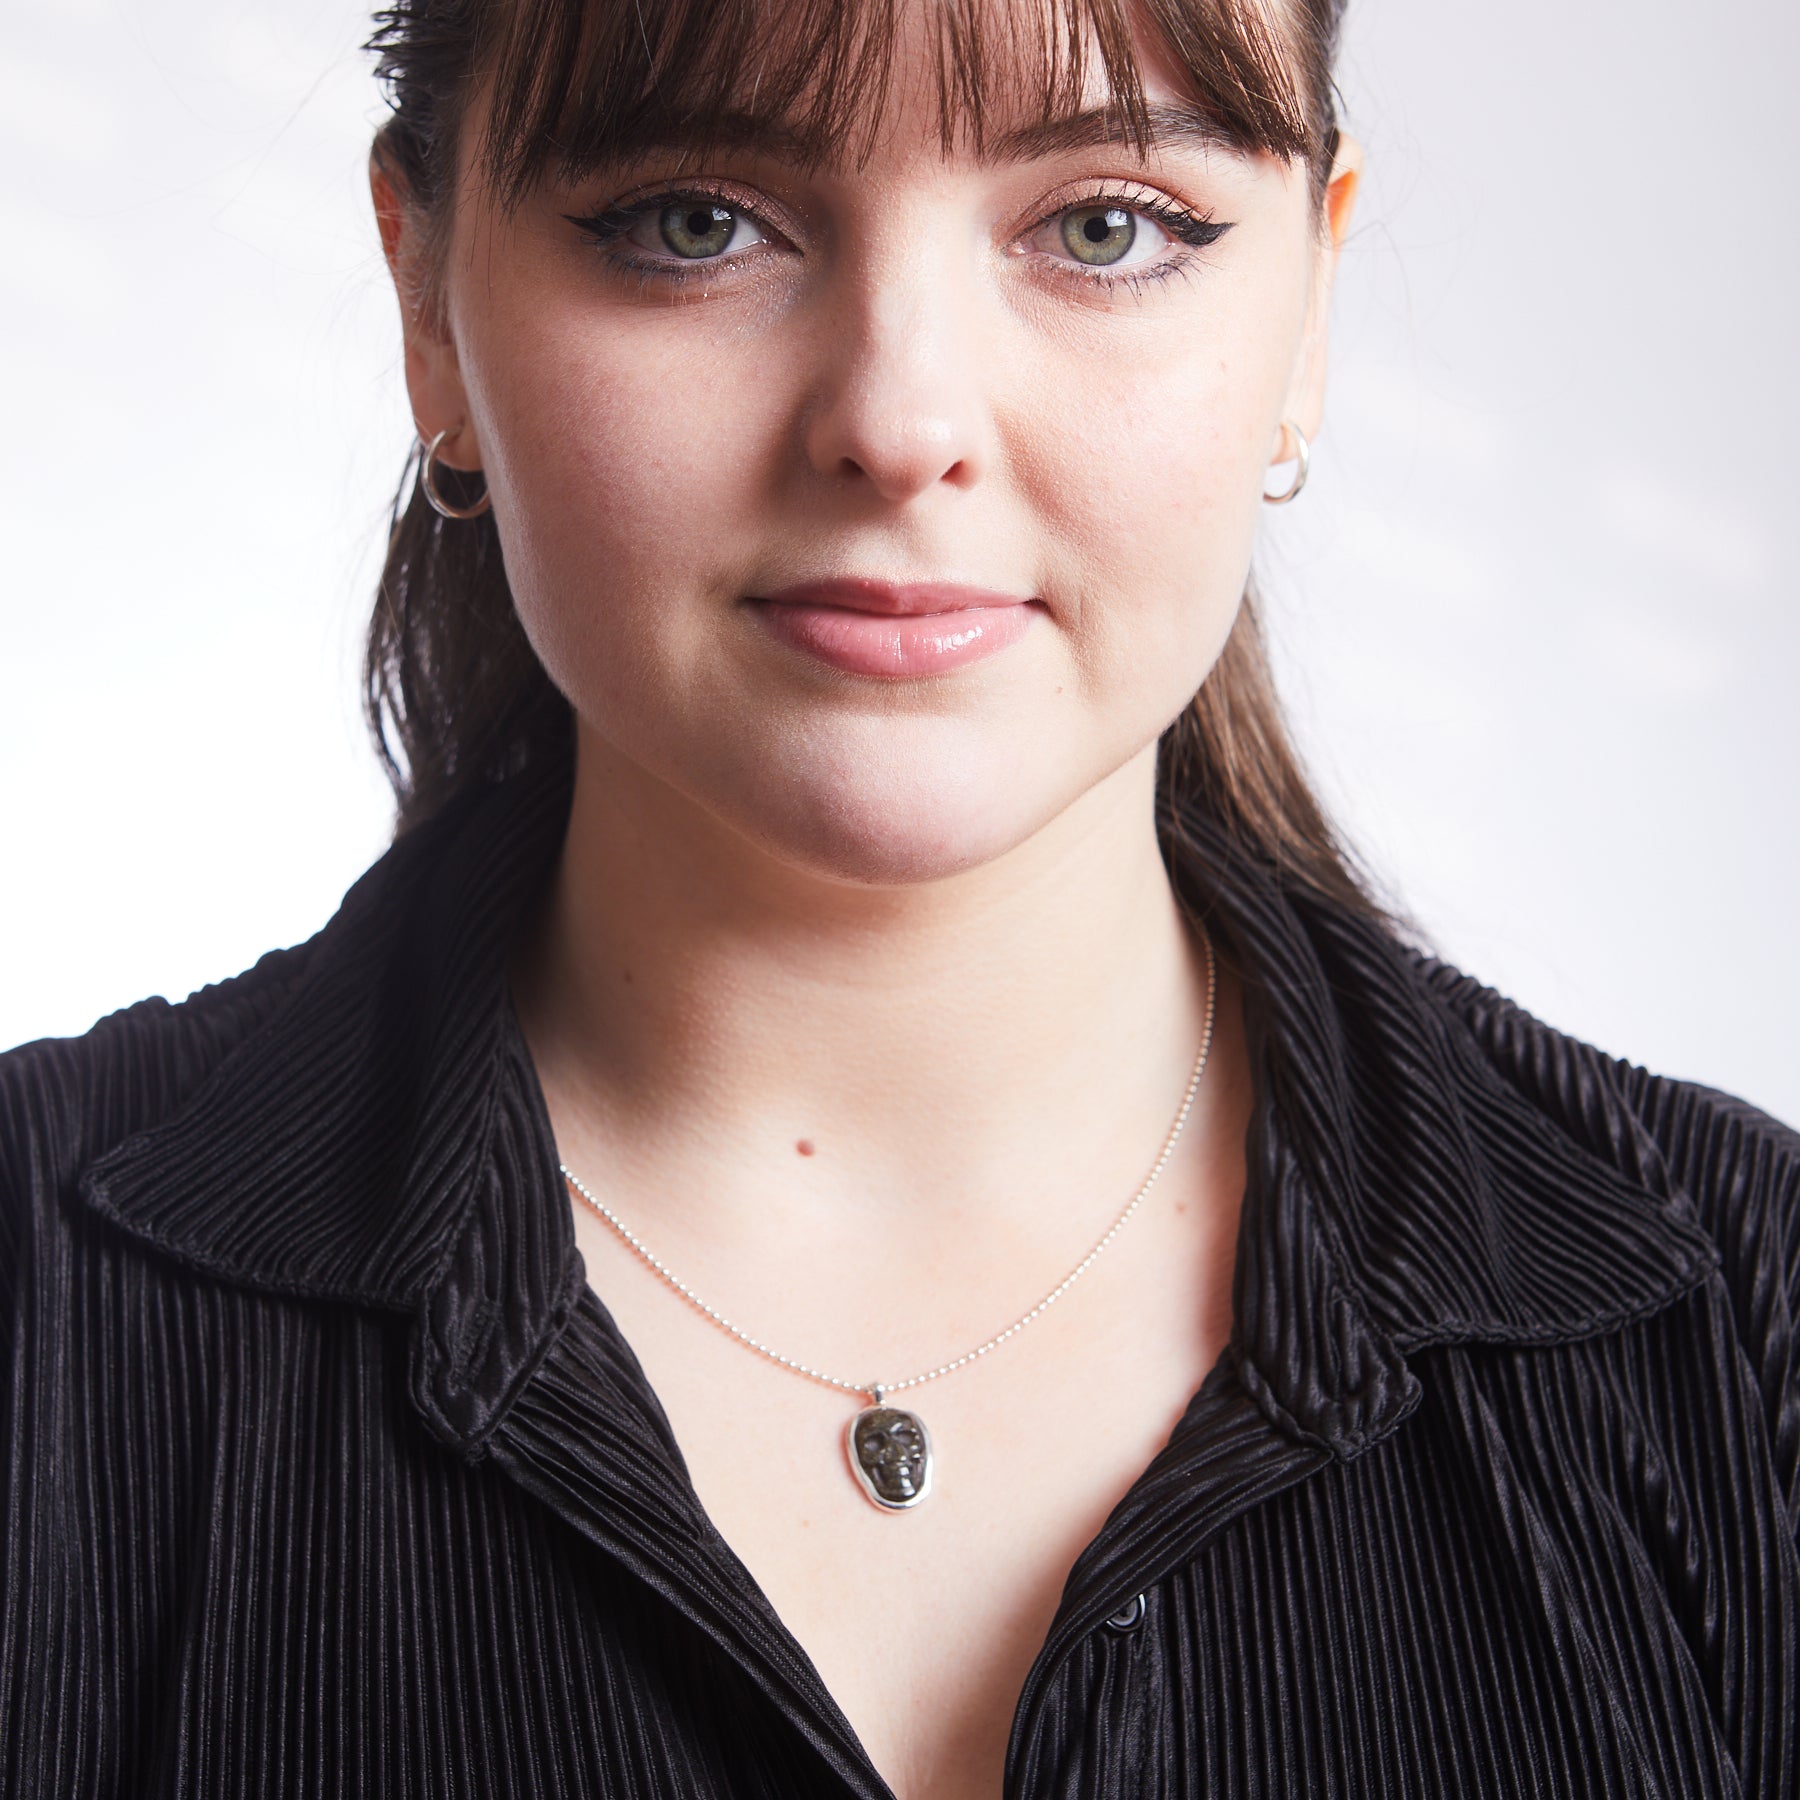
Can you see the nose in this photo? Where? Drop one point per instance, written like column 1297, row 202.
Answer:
column 899, row 407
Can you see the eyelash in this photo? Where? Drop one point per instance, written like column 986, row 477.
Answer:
column 1190, row 231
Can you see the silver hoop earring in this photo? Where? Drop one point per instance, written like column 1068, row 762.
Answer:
column 1304, row 453
column 428, row 481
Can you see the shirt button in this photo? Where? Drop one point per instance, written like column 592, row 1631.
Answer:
column 1129, row 1616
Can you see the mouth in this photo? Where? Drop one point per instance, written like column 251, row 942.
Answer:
column 895, row 631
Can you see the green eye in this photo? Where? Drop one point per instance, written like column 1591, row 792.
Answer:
column 1099, row 235
column 694, row 231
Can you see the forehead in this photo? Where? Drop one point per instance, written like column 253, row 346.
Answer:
column 573, row 84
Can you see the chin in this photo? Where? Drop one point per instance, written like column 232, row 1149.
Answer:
column 895, row 819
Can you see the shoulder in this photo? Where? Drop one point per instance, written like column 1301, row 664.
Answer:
column 1729, row 1167
column 1735, row 1164
column 258, row 1131
column 64, row 1102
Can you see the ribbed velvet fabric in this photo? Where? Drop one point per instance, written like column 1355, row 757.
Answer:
column 324, row 1473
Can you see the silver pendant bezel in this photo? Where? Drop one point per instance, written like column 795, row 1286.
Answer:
column 863, row 1480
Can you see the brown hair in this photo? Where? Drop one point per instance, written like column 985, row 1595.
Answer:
column 454, row 693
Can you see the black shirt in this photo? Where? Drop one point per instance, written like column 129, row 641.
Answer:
column 323, row 1471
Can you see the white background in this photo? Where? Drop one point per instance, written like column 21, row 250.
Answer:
column 1535, row 613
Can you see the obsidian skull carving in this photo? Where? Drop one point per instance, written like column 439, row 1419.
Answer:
column 890, row 1453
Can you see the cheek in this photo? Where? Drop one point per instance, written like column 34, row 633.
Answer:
column 1147, row 488
column 623, row 485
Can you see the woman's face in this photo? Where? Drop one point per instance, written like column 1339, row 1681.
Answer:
column 1056, row 374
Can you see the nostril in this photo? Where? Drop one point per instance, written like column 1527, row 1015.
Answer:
column 897, row 445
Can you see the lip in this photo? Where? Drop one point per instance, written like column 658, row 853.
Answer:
column 891, row 630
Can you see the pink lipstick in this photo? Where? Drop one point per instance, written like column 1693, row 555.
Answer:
column 895, row 630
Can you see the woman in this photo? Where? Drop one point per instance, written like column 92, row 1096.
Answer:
column 864, row 1203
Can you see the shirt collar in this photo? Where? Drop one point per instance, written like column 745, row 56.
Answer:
column 1426, row 1164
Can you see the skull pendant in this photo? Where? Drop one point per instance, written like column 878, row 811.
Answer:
column 890, row 1456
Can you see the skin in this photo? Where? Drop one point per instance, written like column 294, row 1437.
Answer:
column 868, row 1003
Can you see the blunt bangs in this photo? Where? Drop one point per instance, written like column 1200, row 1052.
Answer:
column 576, row 84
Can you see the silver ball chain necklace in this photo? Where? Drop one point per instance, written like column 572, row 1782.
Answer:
column 889, row 1447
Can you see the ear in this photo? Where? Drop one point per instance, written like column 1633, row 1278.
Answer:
column 1306, row 392
column 433, row 377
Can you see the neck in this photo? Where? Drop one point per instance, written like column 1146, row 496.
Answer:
column 685, row 988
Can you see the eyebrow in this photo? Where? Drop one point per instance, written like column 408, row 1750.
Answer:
column 1166, row 126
